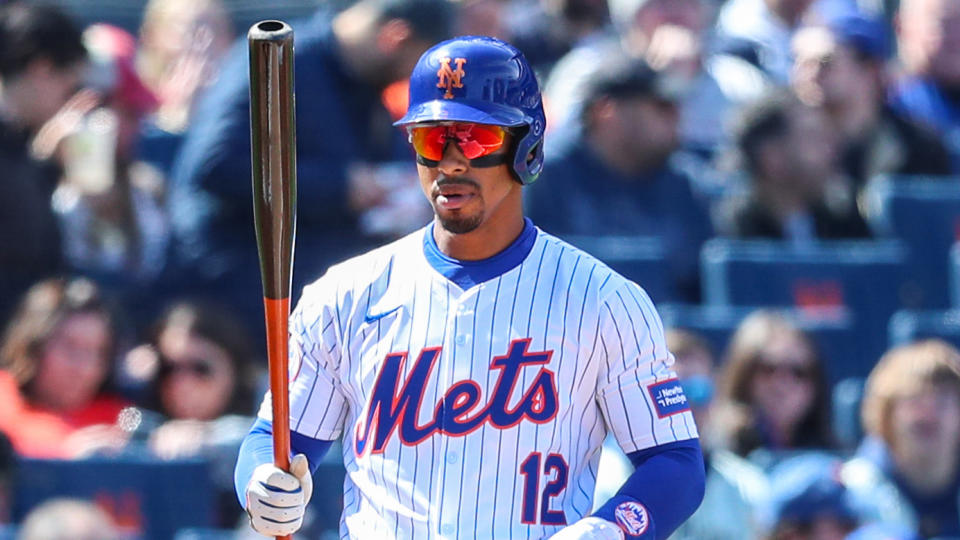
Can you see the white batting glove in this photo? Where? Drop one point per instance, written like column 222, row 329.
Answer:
column 590, row 528
column 276, row 499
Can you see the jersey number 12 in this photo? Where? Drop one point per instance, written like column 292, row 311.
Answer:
column 555, row 469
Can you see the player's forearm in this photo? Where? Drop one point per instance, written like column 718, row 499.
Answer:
column 668, row 482
column 257, row 449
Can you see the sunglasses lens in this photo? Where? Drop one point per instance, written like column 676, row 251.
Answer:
column 474, row 140
column 200, row 368
column 477, row 140
column 429, row 141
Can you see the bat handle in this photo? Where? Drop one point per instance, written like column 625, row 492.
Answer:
column 277, row 313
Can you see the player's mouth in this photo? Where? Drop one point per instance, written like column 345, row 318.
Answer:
column 454, row 195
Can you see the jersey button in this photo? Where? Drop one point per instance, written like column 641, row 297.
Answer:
column 447, row 529
column 452, row 457
column 461, row 339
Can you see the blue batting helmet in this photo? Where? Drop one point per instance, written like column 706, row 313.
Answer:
column 486, row 81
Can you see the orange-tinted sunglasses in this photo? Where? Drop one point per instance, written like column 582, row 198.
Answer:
column 474, row 140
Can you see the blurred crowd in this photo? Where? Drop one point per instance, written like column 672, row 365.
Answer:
column 130, row 292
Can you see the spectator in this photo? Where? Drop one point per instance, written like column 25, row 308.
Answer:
column 545, row 30
column 109, row 203
column 773, row 393
column 734, row 485
column 840, row 68
column 759, row 31
column 41, row 61
column 795, row 191
column 68, row 519
column 667, row 34
column 808, row 501
column 343, row 133
column 203, row 390
column 694, row 365
column 616, row 176
column 929, row 40
column 57, row 356
column 908, row 469
column 182, row 43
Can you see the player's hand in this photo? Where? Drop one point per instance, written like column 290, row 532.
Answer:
column 277, row 499
column 590, row 528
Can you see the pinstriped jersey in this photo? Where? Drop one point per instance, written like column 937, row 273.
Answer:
column 476, row 408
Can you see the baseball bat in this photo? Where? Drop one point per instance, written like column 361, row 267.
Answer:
column 273, row 145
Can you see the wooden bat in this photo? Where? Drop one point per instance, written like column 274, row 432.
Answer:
column 273, row 145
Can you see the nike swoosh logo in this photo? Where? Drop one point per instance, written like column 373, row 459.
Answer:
column 377, row 317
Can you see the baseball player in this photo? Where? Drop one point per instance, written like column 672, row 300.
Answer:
column 474, row 368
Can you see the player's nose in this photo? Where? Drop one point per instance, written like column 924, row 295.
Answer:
column 453, row 161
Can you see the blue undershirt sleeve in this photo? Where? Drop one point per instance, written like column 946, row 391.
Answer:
column 668, row 482
column 257, row 449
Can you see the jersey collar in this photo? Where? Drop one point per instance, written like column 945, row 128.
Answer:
column 466, row 274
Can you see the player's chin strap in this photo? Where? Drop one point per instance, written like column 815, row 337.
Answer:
column 482, row 162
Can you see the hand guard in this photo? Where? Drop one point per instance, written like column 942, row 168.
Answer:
column 276, row 499
column 590, row 528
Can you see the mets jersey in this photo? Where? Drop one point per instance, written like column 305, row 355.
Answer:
column 473, row 398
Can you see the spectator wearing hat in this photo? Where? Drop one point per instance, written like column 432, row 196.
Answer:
column 616, row 177
column 908, row 468
column 41, row 64
column 839, row 68
column 808, row 501
column 928, row 33
column 795, row 190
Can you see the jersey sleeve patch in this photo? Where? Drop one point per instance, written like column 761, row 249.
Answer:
column 668, row 397
column 632, row 518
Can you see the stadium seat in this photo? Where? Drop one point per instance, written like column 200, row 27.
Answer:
column 924, row 213
column 866, row 278
column 144, row 496
column 833, row 332
column 641, row 259
column 907, row 326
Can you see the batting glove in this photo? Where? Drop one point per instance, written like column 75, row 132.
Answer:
column 276, row 499
column 590, row 528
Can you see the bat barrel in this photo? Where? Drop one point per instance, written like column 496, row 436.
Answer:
column 273, row 138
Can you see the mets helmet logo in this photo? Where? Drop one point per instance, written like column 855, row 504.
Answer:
column 632, row 518
column 450, row 78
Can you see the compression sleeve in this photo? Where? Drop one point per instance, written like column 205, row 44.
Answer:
column 257, row 449
column 664, row 490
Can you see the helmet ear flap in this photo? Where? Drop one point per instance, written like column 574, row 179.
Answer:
column 528, row 155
